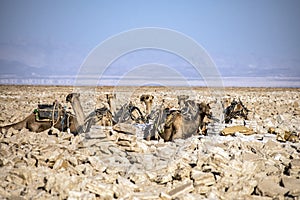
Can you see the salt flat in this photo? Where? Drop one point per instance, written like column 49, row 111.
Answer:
column 40, row 166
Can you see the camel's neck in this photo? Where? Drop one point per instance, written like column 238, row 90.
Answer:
column 181, row 103
column 78, row 111
column 148, row 107
column 112, row 106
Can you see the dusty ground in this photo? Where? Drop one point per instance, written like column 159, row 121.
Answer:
column 114, row 165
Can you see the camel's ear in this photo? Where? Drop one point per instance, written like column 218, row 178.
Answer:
column 208, row 106
column 142, row 98
column 110, row 96
column 69, row 97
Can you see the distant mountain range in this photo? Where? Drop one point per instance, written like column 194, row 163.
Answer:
column 18, row 69
column 44, row 60
column 15, row 68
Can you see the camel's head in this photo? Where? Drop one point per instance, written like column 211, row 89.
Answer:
column 226, row 102
column 104, row 117
column 181, row 100
column 71, row 96
column 146, row 98
column 204, row 109
column 110, row 96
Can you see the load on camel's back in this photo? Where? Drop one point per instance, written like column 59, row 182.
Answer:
column 235, row 110
column 44, row 117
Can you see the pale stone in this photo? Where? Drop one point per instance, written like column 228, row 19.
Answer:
column 110, row 164
column 182, row 189
column 103, row 190
column 75, row 195
column 97, row 163
column 250, row 156
column 145, row 196
column 125, row 128
column 164, row 178
column 268, row 187
column 202, row 178
column 292, row 184
column 201, row 189
column 165, row 196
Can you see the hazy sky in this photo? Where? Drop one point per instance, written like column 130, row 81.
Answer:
column 256, row 33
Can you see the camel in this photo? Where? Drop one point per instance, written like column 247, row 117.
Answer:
column 186, row 122
column 148, row 101
column 45, row 117
column 170, row 124
column 102, row 116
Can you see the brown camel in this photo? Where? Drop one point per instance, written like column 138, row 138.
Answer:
column 185, row 123
column 56, row 116
column 148, row 101
column 101, row 117
column 45, row 117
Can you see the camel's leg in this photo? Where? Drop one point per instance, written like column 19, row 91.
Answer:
column 177, row 124
column 39, row 126
column 148, row 107
column 19, row 125
column 166, row 135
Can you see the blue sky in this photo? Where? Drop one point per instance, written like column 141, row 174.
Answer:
column 240, row 35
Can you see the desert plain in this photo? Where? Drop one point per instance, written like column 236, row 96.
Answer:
column 107, row 164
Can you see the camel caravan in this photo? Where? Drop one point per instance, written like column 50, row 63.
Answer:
column 191, row 117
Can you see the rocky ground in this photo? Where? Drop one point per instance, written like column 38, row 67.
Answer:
column 107, row 163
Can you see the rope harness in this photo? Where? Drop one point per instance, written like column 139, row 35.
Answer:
column 53, row 114
column 234, row 110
